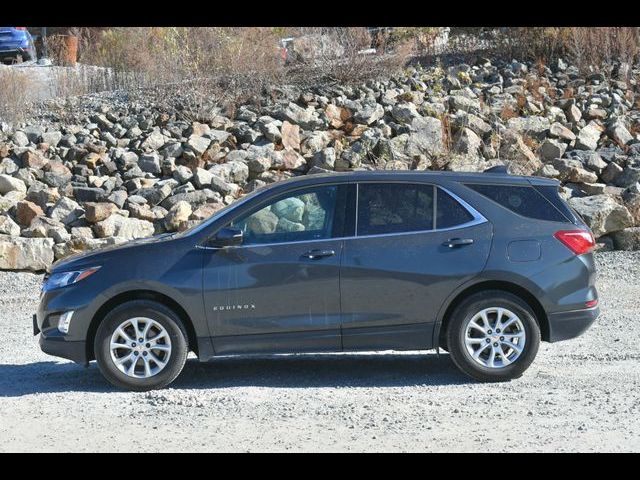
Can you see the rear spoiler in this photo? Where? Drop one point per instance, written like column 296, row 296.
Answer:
column 500, row 169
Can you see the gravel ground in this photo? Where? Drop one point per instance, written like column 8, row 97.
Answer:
column 580, row 395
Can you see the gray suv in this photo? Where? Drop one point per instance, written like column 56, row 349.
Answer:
column 482, row 265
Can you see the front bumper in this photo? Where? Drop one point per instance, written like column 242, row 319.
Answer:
column 566, row 325
column 61, row 347
column 72, row 344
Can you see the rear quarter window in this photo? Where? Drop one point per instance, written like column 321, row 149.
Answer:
column 523, row 200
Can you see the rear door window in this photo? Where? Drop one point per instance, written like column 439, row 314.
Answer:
column 523, row 200
column 394, row 208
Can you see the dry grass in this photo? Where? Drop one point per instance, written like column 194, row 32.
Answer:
column 13, row 94
column 447, row 132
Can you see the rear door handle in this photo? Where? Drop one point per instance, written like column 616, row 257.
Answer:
column 457, row 242
column 315, row 254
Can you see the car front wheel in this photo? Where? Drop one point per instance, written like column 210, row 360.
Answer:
column 493, row 336
column 141, row 345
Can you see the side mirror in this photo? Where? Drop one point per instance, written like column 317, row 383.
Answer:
column 227, row 237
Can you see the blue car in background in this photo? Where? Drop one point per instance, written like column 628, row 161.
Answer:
column 16, row 45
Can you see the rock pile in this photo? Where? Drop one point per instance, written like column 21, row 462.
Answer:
column 123, row 170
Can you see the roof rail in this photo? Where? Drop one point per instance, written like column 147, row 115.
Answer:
column 497, row 169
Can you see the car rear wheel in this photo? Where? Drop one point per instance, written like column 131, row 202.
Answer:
column 141, row 345
column 493, row 336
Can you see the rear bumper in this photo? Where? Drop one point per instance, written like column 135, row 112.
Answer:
column 566, row 325
column 13, row 53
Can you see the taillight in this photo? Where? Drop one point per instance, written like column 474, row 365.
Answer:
column 20, row 28
column 578, row 241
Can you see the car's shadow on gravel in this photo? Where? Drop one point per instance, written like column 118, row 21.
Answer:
column 276, row 371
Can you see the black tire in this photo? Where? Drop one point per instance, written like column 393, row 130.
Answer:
column 456, row 335
column 154, row 311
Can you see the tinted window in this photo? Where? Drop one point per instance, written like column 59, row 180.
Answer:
column 305, row 215
column 523, row 200
column 551, row 193
column 449, row 211
column 394, row 208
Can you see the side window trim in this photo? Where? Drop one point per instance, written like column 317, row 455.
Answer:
column 478, row 218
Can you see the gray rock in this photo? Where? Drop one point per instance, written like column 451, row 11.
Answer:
column 467, row 142
column 405, row 112
column 460, row 102
column 178, row 215
column 602, row 214
column 325, row 159
column 558, row 130
column 89, row 194
column 551, row 149
column 369, row 113
column 198, row 145
column 285, row 225
column 573, row 171
column 182, row 174
column 17, row 253
column 619, row 133
column 611, row 172
column 471, row 121
column 536, row 127
column 10, row 184
column 629, row 176
column 150, row 163
column 263, row 221
column 52, row 138
column 517, row 155
column 589, row 136
column 20, row 139
column 8, row 226
column 627, row 239
column 120, row 226
column 202, row 178
column 66, row 211
column 154, row 141
column 291, row 209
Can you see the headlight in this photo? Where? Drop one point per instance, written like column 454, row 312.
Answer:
column 62, row 279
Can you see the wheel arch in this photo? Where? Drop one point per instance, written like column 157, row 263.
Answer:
column 513, row 288
column 128, row 296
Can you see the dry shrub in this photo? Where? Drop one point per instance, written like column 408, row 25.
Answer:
column 530, row 142
column 601, row 46
column 447, row 132
column 343, row 55
column 585, row 47
column 14, row 94
column 205, row 58
column 508, row 112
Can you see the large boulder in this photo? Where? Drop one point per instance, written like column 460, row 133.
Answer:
column 602, row 213
column 517, row 155
column 17, row 253
column 120, row 226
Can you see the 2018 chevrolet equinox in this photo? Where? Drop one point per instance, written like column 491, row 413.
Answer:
column 482, row 265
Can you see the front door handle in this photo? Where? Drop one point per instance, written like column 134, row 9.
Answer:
column 315, row 254
column 458, row 242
